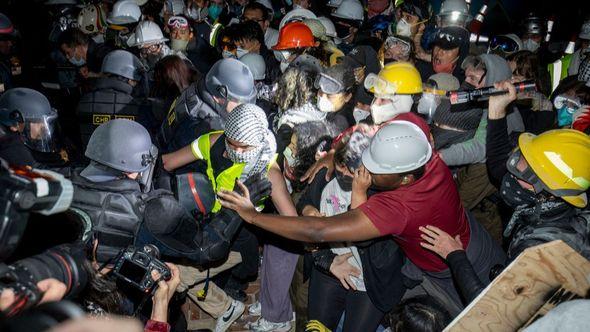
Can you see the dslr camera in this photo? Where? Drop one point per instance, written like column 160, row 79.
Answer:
column 135, row 265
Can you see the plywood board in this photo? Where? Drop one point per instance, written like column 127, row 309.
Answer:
column 523, row 287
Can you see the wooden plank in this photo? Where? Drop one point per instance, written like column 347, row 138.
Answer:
column 523, row 287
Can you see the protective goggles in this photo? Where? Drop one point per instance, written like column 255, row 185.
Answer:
column 529, row 176
column 504, row 44
column 379, row 86
column 177, row 22
column 561, row 101
column 393, row 41
column 328, row 84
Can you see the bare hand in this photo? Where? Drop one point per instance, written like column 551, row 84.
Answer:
column 326, row 161
column 238, row 202
column 164, row 293
column 310, row 211
column 440, row 241
column 342, row 270
column 361, row 181
column 497, row 104
column 52, row 289
column 7, row 298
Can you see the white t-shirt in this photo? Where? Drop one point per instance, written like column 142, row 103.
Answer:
column 336, row 201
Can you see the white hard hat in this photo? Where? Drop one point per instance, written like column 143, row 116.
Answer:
column 147, row 32
column 399, row 147
column 298, row 14
column 141, row 2
column 268, row 5
column 124, row 12
column 585, row 31
column 334, row 3
column 255, row 62
column 350, row 10
column 91, row 19
column 330, row 28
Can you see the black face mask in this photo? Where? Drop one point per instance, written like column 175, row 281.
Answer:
column 344, row 181
column 514, row 194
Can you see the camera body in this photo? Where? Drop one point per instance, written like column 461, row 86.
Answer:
column 135, row 266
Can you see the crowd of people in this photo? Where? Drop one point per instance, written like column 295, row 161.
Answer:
column 375, row 163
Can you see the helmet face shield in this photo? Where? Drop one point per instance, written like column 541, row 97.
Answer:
column 39, row 133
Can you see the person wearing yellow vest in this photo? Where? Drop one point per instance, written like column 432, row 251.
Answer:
column 246, row 148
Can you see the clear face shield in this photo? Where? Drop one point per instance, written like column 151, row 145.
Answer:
column 453, row 19
column 430, row 100
column 39, row 133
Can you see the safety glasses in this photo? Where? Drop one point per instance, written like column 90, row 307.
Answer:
column 504, row 44
column 528, row 175
column 328, row 84
column 393, row 41
column 177, row 22
column 379, row 86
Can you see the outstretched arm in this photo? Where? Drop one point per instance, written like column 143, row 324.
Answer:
column 351, row 226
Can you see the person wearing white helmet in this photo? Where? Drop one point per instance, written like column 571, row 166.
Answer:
column 122, row 20
column 348, row 18
column 150, row 41
column 401, row 187
column 583, row 52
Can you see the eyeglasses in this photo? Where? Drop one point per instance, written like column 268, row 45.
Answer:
column 504, row 44
column 177, row 22
column 328, row 84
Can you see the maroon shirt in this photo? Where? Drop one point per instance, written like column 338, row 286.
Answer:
column 432, row 200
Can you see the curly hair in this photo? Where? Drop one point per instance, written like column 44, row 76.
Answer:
column 351, row 147
column 295, row 89
column 312, row 137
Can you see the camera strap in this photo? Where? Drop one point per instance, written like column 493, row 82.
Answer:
column 202, row 294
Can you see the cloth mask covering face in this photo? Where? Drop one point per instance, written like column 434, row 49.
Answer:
column 288, row 154
column 241, row 52
column 445, row 67
column 344, row 181
column 243, row 156
column 514, row 194
column 403, row 28
column 383, row 113
column 325, row 105
column 178, row 44
column 214, row 11
column 359, row 114
column 531, row 45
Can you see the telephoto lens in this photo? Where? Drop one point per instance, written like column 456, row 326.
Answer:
column 64, row 263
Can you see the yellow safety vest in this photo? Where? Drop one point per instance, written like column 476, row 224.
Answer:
column 225, row 180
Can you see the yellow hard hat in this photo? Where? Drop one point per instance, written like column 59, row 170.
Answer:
column 561, row 160
column 395, row 78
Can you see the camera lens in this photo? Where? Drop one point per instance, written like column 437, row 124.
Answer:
column 64, row 263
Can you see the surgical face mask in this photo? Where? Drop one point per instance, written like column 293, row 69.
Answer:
column 325, row 105
column 427, row 105
column 227, row 54
column 403, row 28
column 178, row 44
column 359, row 114
column 214, row 11
column 531, row 45
column 288, row 154
column 344, row 181
column 565, row 116
column 241, row 52
column 77, row 62
column 385, row 112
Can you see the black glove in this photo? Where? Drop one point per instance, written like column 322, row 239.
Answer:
column 259, row 187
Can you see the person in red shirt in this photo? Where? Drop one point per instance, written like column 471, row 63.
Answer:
column 415, row 188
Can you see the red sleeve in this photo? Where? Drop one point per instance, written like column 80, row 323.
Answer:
column 155, row 326
column 386, row 214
